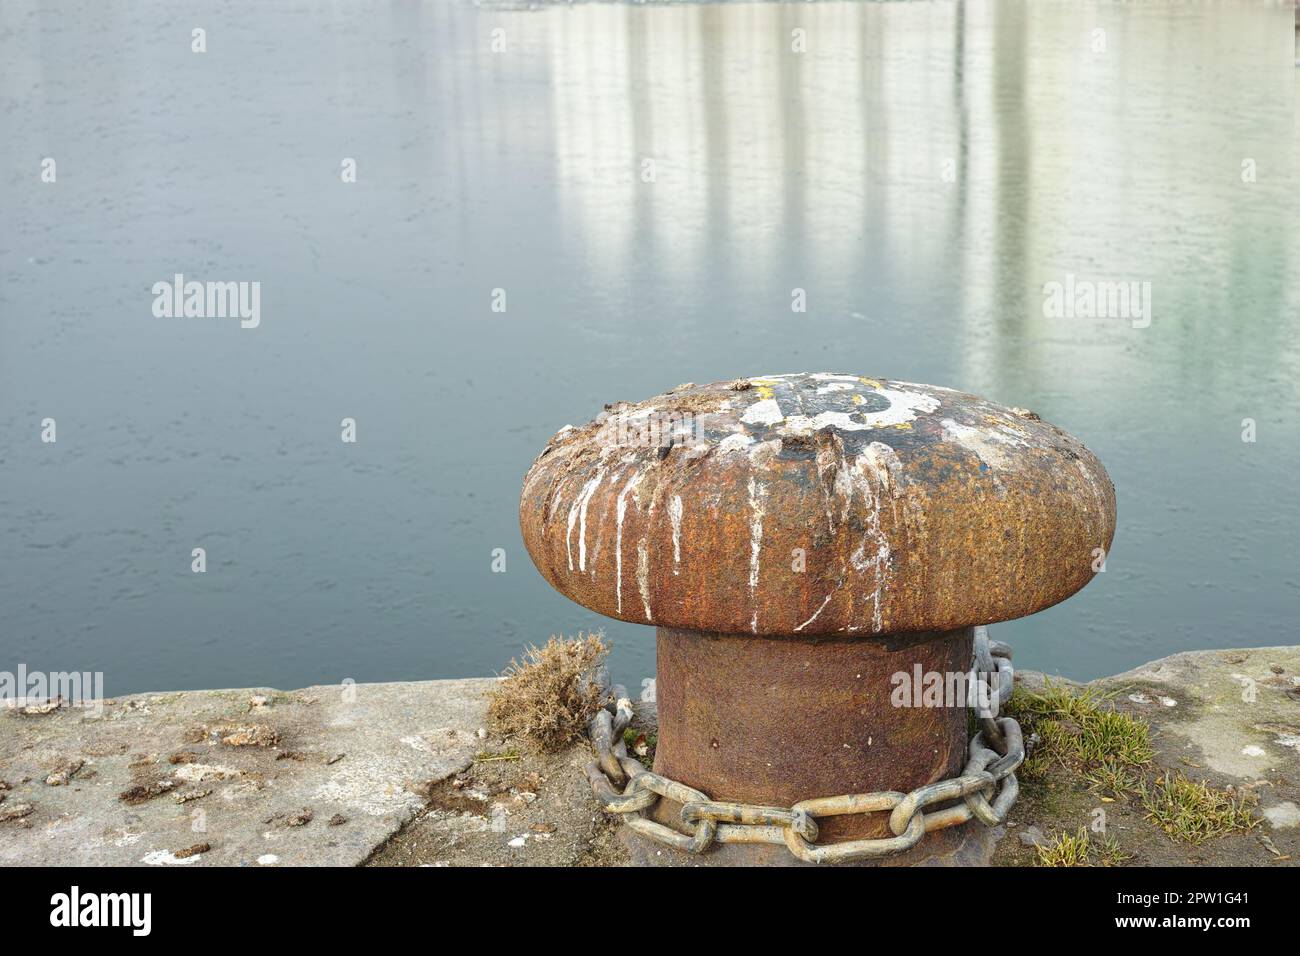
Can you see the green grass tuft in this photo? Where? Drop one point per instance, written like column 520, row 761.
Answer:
column 1079, row 849
column 1078, row 731
column 1195, row 812
column 1112, row 778
column 1065, row 850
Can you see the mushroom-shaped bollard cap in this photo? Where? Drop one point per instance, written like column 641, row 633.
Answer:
column 815, row 504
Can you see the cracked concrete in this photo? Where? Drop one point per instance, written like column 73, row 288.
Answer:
column 1233, row 713
column 1238, row 709
column 316, row 776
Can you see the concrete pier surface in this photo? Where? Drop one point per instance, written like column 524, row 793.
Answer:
column 409, row 774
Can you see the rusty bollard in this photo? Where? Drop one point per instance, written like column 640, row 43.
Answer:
column 800, row 541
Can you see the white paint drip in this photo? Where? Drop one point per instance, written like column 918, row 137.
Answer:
column 872, row 555
column 555, row 502
column 886, row 465
column 816, row 615
column 643, row 575
column 584, row 499
column 618, row 541
column 573, row 520
column 830, row 458
column 675, row 516
column 755, row 543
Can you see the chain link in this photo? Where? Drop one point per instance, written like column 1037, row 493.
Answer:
column 986, row 789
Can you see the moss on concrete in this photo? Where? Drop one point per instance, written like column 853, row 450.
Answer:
column 1108, row 782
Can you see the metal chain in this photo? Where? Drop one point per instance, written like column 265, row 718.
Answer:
column 987, row 787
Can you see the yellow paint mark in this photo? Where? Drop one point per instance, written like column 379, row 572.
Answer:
column 765, row 391
column 858, row 399
column 870, row 381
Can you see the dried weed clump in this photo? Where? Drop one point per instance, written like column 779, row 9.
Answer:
column 549, row 698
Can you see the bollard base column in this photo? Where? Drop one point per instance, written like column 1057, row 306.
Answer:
column 774, row 721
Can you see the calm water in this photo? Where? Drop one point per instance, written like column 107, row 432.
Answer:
column 521, row 170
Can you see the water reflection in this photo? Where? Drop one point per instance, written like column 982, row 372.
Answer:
column 921, row 170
